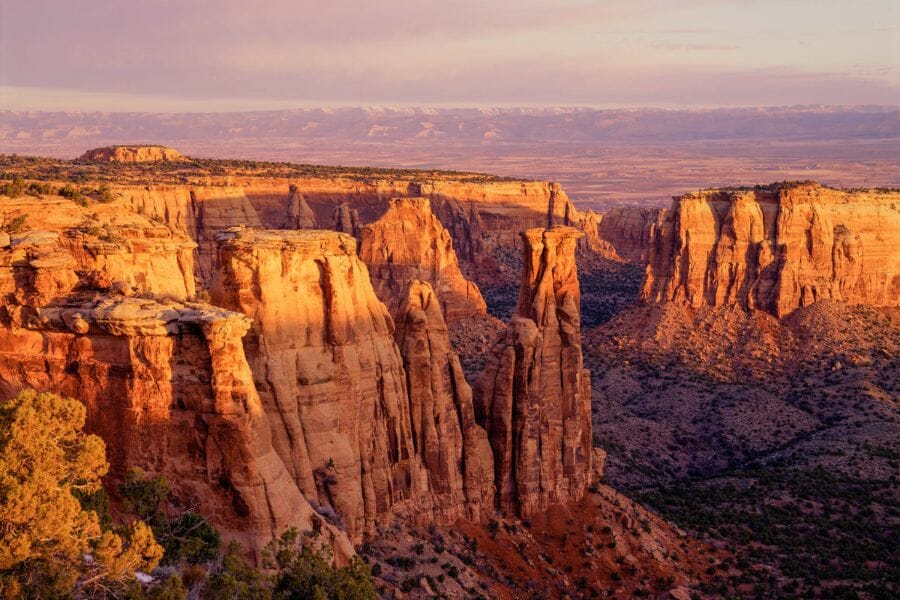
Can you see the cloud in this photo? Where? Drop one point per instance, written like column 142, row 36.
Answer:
column 425, row 51
column 697, row 47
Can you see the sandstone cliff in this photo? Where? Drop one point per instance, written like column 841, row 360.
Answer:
column 327, row 369
column 132, row 154
column 483, row 217
column 102, row 248
column 629, row 230
column 409, row 243
column 454, row 449
column 166, row 385
column 777, row 248
column 533, row 397
column 199, row 211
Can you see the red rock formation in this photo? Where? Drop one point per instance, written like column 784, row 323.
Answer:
column 483, row 217
column 132, row 154
column 777, row 249
column 346, row 220
column 454, row 449
column 166, row 385
column 199, row 211
column 534, row 395
column 327, row 369
column 103, row 247
column 630, row 229
column 409, row 243
column 299, row 214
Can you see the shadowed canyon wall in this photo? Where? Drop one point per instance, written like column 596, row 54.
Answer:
column 629, row 230
column 454, row 449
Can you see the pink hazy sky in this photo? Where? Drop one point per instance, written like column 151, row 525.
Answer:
column 227, row 55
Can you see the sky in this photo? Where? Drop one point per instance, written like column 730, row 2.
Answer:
column 212, row 55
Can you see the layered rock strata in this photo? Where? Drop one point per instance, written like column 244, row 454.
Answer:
column 122, row 260
column 408, row 242
column 777, row 248
column 199, row 211
column 483, row 217
column 533, row 397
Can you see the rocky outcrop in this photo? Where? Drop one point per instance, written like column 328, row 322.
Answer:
column 345, row 219
column 93, row 250
column 454, row 449
column 592, row 243
column 299, row 214
column 533, row 397
column 329, row 374
column 132, row 154
column 409, row 243
column 777, row 248
column 629, row 230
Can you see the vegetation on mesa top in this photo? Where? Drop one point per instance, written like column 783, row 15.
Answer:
column 190, row 169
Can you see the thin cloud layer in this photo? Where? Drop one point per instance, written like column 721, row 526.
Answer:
column 162, row 54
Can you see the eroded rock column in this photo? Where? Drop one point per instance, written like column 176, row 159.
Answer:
column 454, row 449
column 533, row 397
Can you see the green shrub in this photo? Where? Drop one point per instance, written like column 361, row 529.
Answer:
column 17, row 224
column 143, row 495
column 14, row 189
column 306, row 572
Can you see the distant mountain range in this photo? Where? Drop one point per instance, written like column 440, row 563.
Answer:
column 603, row 157
column 20, row 130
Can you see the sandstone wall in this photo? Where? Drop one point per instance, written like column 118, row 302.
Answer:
column 166, row 385
column 777, row 249
column 630, row 230
column 327, row 369
column 199, row 211
column 480, row 215
column 102, row 248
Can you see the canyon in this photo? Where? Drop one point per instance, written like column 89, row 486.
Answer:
column 380, row 355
